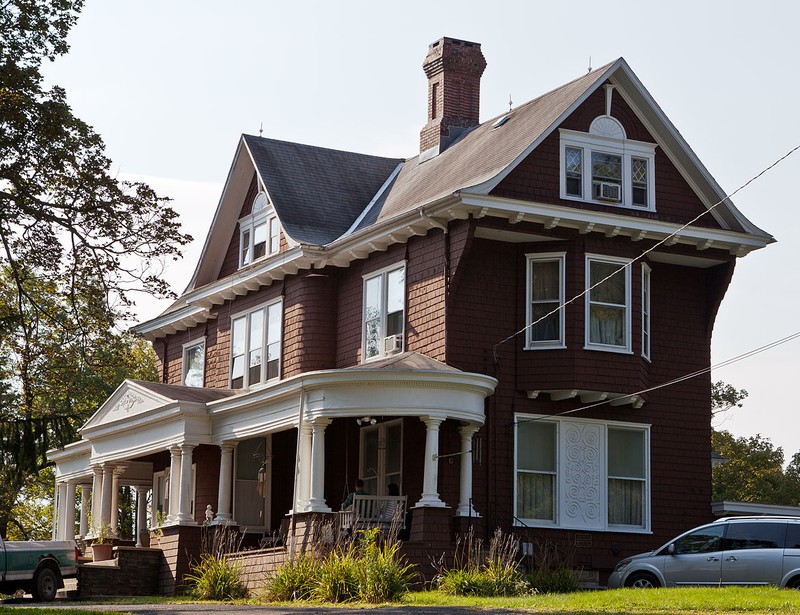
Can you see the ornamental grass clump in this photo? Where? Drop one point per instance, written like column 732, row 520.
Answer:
column 215, row 578
column 366, row 569
column 478, row 573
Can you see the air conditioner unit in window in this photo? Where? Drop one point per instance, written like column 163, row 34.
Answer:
column 392, row 344
column 608, row 191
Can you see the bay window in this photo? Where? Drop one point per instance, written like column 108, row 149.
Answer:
column 384, row 312
column 256, row 345
column 608, row 304
column 545, row 290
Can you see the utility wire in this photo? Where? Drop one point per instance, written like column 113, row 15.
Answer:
column 699, row 372
column 643, row 254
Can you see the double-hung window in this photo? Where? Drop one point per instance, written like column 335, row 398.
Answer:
column 537, row 464
column 604, row 167
column 259, row 232
column 545, row 291
column 194, row 359
column 384, row 312
column 581, row 474
column 608, row 303
column 646, row 311
column 256, row 345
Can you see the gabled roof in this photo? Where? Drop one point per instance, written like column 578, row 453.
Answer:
column 338, row 206
column 485, row 153
column 317, row 193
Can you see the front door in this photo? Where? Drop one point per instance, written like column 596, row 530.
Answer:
column 253, row 481
column 382, row 456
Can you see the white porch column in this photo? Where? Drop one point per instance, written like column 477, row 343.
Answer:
column 86, row 501
column 174, row 482
column 316, row 503
column 107, row 498
column 465, row 508
column 430, row 482
column 97, row 498
column 184, row 516
column 115, row 500
column 69, row 517
column 61, row 511
column 304, row 479
column 141, row 513
column 225, row 491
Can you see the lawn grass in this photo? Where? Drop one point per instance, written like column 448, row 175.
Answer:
column 672, row 601
column 635, row 601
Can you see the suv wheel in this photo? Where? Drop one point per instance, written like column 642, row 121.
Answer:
column 643, row 580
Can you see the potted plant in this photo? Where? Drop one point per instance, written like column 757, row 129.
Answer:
column 102, row 545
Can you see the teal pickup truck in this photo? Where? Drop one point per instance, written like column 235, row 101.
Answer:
column 38, row 567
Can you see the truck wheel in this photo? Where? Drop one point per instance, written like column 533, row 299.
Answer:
column 45, row 585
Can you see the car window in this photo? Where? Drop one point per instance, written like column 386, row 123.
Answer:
column 755, row 536
column 793, row 536
column 704, row 540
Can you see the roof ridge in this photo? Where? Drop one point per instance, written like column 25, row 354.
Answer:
column 321, row 147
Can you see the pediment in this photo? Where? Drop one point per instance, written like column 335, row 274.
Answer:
column 129, row 400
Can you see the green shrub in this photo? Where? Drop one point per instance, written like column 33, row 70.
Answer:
column 216, row 579
column 556, row 581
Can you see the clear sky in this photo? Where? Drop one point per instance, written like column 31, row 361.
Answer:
column 171, row 85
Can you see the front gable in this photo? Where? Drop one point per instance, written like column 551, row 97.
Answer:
column 588, row 130
column 128, row 401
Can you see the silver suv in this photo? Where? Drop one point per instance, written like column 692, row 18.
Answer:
column 730, row 551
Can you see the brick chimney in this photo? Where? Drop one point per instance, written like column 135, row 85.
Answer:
column 454, row 70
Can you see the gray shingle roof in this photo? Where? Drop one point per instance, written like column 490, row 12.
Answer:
column 177, row 392
column 317, row 192
column 482, row 153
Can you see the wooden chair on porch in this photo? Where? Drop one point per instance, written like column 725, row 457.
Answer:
column 374, row 511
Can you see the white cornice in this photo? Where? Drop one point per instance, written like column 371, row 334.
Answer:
column 611, row 223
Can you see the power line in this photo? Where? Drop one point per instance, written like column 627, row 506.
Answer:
column 561, row 306
column 689, row 376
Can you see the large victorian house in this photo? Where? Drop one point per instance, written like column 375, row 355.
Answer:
column 488, row 324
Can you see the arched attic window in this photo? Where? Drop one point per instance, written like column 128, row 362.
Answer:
column 259, row 231
column 603, row 166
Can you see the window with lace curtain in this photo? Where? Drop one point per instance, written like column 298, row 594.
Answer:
column 545, row 288
column 608, row 304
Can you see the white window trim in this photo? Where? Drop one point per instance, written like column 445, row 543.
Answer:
column 184, row 364
column 382, row 273
column 264, row 345
column 647, row 315
column 561, row 460
column 626, row 148
column 248, row 224
column 545, row 257
column 588, row 345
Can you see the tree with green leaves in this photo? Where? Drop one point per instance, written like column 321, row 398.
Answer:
column 752, row 471
column 75, row 242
